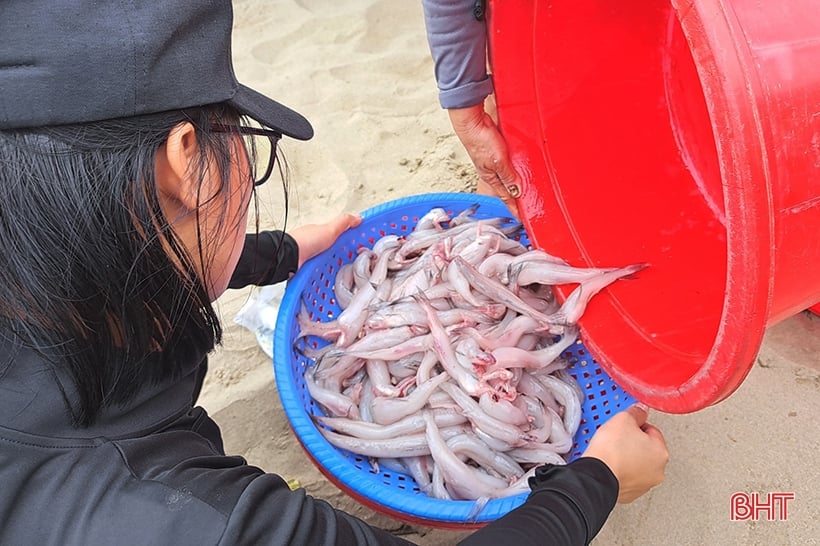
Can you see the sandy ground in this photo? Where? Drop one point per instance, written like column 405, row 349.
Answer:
column 360, row 71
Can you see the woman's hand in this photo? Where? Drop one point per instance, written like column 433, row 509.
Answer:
column 633, row 449
column 486, row 147
column 316, row 238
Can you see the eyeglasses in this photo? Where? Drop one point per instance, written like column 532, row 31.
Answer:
column 255, row 148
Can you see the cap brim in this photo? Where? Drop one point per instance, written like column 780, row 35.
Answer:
column 271, row 114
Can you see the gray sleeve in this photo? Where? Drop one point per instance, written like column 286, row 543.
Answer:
column 458, row 45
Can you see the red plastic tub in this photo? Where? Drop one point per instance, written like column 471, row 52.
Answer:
column 685, row 134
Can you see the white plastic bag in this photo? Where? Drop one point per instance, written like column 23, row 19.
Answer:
column 259, row 314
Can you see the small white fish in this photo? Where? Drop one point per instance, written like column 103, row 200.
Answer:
column 443, row 363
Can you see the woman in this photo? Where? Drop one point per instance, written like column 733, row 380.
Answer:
column 127, row 166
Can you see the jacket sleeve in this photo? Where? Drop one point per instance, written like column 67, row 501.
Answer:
column 269, row 513
column 458, row 45
column 179, row 479
column 176, row 486
column 568, row 506
column 267, row 258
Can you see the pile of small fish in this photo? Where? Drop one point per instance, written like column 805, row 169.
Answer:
column 445, row 362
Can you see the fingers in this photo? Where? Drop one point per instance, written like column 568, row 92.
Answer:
column 491, row 185
column 633, row 449
column 509, row 184
column 653, row 432
column 351, row 220
column 639, row 413
column 487, row 149
column 508, row 177
column 343, row 222
column 315, row 238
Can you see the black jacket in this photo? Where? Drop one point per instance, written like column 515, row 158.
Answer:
column 155, row 472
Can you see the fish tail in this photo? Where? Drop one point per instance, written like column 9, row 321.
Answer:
column 630, row 272
column 476, row 508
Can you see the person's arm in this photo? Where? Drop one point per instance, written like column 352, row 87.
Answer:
column 269, row 513
column 274, row 256
column 568, row 505
column 267, row 258
column 458, row 46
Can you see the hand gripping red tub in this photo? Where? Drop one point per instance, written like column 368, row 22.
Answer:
column 682, row 133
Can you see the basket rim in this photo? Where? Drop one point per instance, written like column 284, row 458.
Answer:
column 412, row 504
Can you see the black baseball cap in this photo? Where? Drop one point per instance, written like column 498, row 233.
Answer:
column 75, row 61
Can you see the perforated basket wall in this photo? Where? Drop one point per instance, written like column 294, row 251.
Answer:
column 388, row 492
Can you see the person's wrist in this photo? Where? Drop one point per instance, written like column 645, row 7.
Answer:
column 598, row 461
column 545, row 474
column 605, row 462
column 467, row 118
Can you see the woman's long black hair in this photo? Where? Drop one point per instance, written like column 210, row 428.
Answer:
column 93, row 277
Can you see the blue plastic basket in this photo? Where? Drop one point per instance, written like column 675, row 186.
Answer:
column 389, row 492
